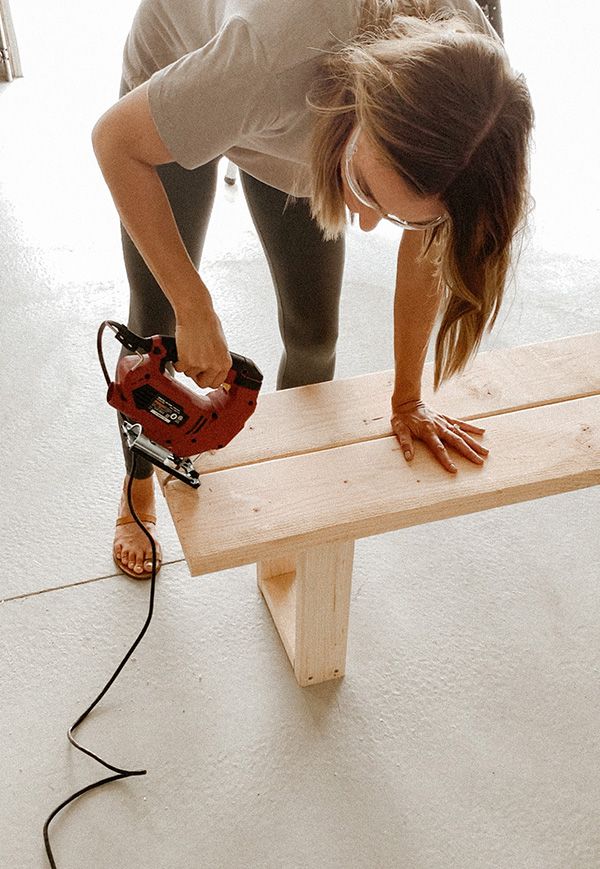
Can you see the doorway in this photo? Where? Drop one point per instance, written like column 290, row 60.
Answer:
column 10, row 63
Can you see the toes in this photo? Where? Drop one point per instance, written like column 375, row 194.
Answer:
column 136, row 560
column 148, row 559
column 148, row 552
column 133, row 551
column 128, row 558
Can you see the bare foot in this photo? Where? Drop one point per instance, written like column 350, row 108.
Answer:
column 131, row 547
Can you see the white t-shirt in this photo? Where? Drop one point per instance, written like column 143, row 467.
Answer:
column 230, row 77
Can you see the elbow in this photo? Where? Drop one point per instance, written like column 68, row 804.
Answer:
column 100, row 138
column 107, row 141
column 96, row 136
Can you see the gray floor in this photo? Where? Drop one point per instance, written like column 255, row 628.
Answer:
column 465, row 733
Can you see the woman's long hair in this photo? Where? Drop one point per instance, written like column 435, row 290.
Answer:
column 441, row 102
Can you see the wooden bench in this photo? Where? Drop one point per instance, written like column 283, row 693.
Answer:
column 317, row 468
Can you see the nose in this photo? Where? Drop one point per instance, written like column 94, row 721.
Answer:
column 368, row 218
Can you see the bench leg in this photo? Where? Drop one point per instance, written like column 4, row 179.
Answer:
column 308, row 596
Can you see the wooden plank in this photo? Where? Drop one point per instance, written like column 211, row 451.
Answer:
column 275, row 567
column 276, row 580
column 310, row 607
column 279, row 593
column 325, row 415
column 267, row 510
column 308, row 596
column 323, row 586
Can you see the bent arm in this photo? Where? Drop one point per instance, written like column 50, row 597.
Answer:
column 416, row 303
column 128, row 149
column 418, row 296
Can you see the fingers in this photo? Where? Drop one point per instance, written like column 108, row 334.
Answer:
column 207, row 380
column 462, row 446
column 439, row 451
column 405, row 440
column 429, row 436
column 457, row 429
column 457, row 442
column 465, row 426
column 406, row 445
column 474, row 444
column 210, row 378
column 435, row 438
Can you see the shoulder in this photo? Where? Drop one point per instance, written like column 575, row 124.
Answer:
column 295, row 31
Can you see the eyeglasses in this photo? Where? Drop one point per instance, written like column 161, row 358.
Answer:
column 368, row 201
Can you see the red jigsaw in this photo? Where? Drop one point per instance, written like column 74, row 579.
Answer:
column 166, row 421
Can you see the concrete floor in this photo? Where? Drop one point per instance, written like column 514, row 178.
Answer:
column 465, row 733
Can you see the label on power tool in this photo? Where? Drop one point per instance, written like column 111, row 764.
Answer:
column 149, row 399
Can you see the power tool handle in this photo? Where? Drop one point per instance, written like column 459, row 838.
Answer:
column 241, row 365
column 243, row 370
column 170, row 346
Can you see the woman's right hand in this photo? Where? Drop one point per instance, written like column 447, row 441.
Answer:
column 202, row 351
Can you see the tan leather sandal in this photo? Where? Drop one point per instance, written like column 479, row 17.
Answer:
column 128, row 520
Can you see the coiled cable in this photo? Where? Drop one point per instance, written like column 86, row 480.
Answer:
column 119, row 773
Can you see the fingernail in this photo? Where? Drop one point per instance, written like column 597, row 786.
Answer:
column 407, row 455
column 453, row 468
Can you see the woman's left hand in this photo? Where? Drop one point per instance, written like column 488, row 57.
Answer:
column 413, row 419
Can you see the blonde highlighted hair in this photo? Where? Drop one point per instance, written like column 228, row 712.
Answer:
column 442, row 104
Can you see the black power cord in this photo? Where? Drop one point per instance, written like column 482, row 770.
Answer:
column 120, row 773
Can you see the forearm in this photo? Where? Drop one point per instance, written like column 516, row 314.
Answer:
column 146, row 214
column 148, row 219
column 416, row 303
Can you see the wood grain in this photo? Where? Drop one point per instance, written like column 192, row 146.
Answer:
column 284, row 506
column 325, row 415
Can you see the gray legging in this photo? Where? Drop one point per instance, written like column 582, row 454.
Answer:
column 306, row 271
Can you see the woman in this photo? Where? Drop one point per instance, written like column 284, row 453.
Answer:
column 403, row 110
